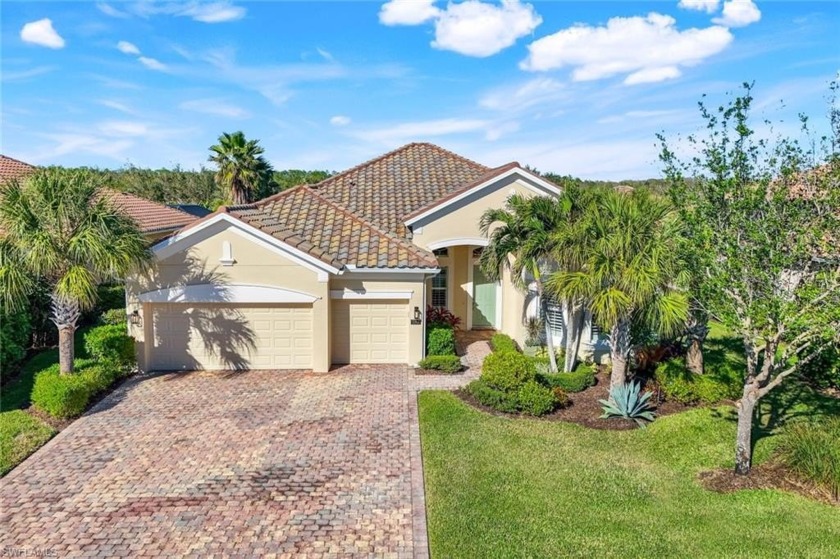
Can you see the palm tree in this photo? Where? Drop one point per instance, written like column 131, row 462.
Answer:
column 520, row 237
column 58, row 228
column 242, row 169
column 628, row 271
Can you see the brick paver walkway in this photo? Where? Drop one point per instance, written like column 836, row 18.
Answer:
column 252, row 464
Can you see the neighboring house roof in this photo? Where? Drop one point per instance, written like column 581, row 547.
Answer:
column 192, row 209
column 150, row 216
column 387, row 189
column 11, row 169
column 307, row 220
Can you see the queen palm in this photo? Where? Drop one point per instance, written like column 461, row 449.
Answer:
column 627, row 270
column 520, row 236
column 56, row 227
column 242, row 169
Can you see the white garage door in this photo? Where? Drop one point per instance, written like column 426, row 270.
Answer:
column 369, row 332
column 221, row 337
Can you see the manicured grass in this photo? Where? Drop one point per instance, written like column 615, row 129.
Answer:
column 497, row 487
column 20, row 435
column 16, row 394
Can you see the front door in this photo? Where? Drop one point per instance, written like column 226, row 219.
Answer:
column 484, row 300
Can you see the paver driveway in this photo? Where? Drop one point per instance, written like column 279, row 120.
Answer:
column 248, row 464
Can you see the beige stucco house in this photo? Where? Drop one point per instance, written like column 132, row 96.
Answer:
column 332, row 273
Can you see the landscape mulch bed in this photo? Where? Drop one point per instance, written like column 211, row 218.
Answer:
column 584, row 408
column 770, row 475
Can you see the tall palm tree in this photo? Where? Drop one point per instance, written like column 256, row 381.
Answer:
column 628, row 270
column 520, row 237
column 56, row 227
column 242, row 169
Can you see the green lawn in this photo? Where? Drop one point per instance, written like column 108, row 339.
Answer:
column 497, row 487
column 20, row 435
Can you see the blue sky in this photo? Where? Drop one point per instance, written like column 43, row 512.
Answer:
column 571, row 87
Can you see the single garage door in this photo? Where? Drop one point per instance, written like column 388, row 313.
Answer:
column 228, row 336
column 369, row 332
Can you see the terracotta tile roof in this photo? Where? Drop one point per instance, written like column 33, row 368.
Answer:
column 490, row 174
column 307, row 220
column 386, row 189
column 150, row 216
column 11, row 169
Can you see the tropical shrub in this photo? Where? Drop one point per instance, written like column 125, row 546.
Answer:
column 61, row 396
column 440, row 340
column 116, row 317
column 535, row 399
column 441, row 315
column 110, row 342
column 443, row 363
column 15, row 333
column 678, row 384
column 577, row 381
column 502, row 342
column 492, row 397
column 812, row 450
column 535, row 329
column 561, row 397
column 507, row 371
column 627, row 401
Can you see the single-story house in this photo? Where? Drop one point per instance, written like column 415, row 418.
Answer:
column 333, row 273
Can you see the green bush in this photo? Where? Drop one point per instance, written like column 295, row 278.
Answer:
column 440, row 340
column 824, row 370
column 536, row 399
column 559, row 354
column 110, row 297
column 110, row 342
column 507, row 371
column 812, row 450
column 443, row 363
column 15, row 334
column 577, row 381
column 502, row 342
column 61, row 396
column 561, row 397
column 493, row 398
column 114, row 317
column 678, row 384
column 21, row 434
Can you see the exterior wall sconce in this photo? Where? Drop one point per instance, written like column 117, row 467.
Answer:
column 135, row 319
column 418, row 318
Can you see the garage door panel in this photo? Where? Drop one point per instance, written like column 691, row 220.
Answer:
column 217, row 337
column 369, row 332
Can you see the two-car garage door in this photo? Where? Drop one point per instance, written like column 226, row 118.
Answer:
column 227, row 336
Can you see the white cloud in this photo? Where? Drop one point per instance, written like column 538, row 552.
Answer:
column 117, row 106
column 413, row 131
column 407, row 12
column 215, row 107
column 471, row 27
column 708, row 6
column 738, row 13
column 340, row 120
column 23, row 75
column 128, row 48
column 109, row 10
column 215, row 12
column 123, row 128
column 325, row 54
column 42, row 33
column 474, row 28
column 648, row 49
column 531, row 93
column 152, row 63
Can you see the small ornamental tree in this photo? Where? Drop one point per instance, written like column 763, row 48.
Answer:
column 766, row 215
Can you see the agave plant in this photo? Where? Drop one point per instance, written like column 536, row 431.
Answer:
column 627, row 401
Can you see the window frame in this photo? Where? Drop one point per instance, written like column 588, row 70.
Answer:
column 444, row 273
